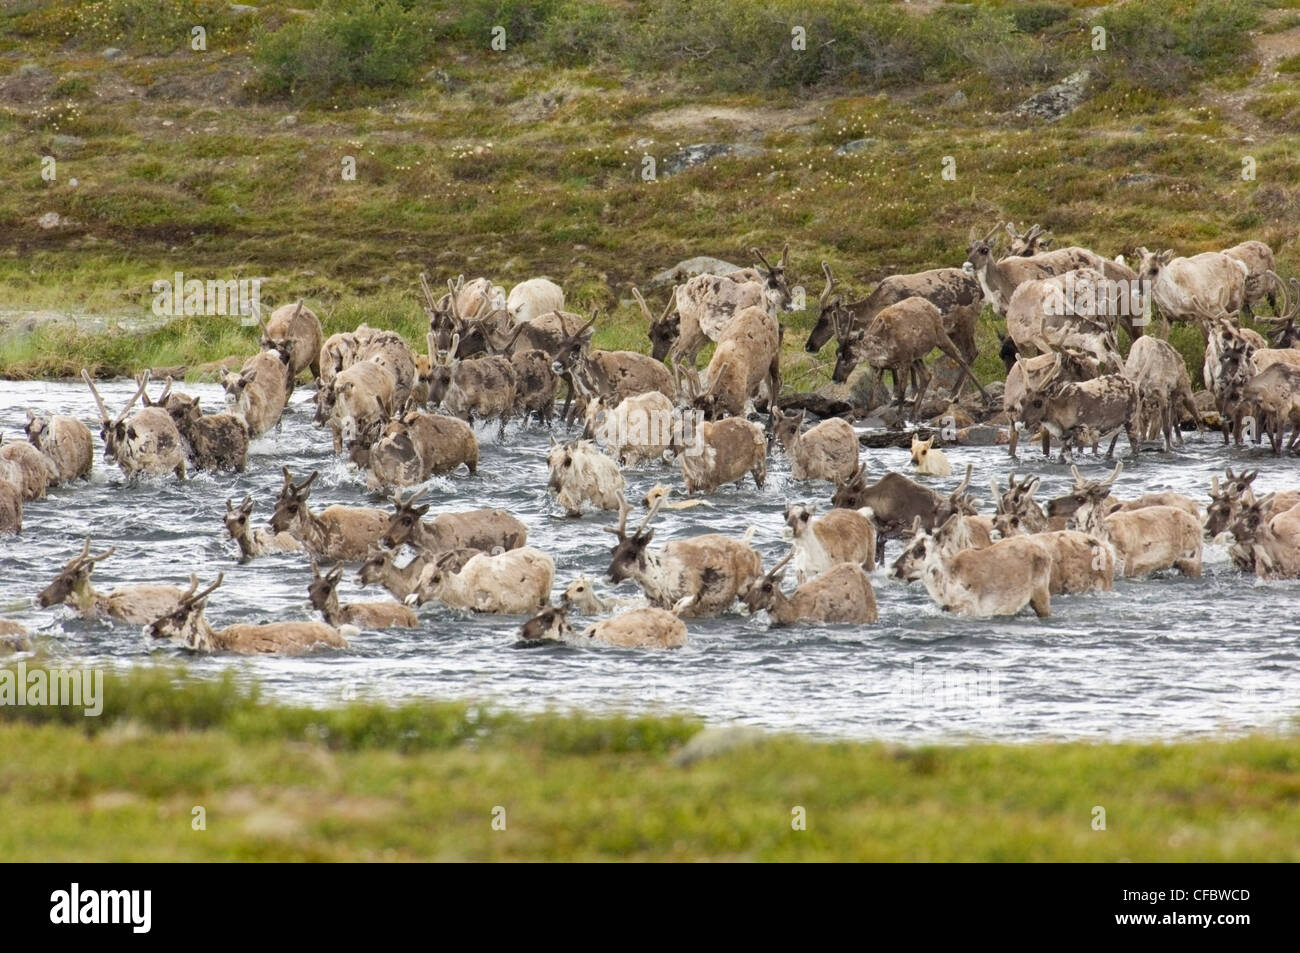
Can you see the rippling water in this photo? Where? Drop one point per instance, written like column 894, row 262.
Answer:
column 1162, row 657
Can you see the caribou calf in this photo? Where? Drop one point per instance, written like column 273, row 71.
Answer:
column 841, row 595
column 255, row 542
column 323, row 593
column 646, row 628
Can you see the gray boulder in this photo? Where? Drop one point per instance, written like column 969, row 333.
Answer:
column 1057, row 102
column 702, row 152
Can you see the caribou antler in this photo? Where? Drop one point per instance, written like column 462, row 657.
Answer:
column 961, row 487
column 430, row 304
column 776, row 570
column 654, row 509
column 595, row 313
column 640, row 300
column 143, row 381
column 830, row 284
column 84, row 557
column 623, row 509
column 192, row 598
column 99, row 401
column 997, row 494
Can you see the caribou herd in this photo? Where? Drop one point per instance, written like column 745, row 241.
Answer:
column 401, row 416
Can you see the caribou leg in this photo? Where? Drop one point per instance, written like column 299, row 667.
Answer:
column 922, row 378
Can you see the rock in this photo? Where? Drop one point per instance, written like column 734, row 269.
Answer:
column 242, row 8
column 68, row 142
column 952, row 416
column 865, row 391
column 702, row 152
column 890, row 418
column 933, row 405
column 982, row 435
column 29, row 321
column 956, row 101
column 112, row 53
column 854, row 147
column 1204, row 401
column 49, row 220
column 712, row 742
column 1136, row 178
column 538, row 106
column 700, row 265
column 289, row 120
column 33, row 71
column 895, row 439
column 1057, row 102
column 818, row 405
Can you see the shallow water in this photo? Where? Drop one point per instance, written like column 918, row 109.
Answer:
column 1164, row 657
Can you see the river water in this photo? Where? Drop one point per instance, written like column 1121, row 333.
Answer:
column 1164, row 657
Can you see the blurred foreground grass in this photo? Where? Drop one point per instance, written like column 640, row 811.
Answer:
column 421, row 781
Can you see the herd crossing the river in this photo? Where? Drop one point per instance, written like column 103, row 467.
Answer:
column 402, row 417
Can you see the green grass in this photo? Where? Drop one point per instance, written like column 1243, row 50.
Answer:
column 421, row 781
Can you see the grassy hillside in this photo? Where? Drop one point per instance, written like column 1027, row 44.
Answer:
column 422, row 781
column 227, row 161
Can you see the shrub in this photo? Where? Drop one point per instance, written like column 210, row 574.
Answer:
column 1034, row 17
column 1167, row 44
column 372, row 43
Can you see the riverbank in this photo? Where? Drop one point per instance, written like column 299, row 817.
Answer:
column 177, row 768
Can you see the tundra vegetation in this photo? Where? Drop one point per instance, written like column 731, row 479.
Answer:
column 585, row 82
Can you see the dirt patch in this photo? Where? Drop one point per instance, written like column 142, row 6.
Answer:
column 1275, row 47
column 724, row 121
column 1271, row 49
column 27, row 84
